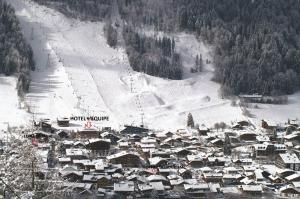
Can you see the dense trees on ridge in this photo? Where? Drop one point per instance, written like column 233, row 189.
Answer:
column 155, row 57
column 15, row 54
column 256, row 42
column 91, row 9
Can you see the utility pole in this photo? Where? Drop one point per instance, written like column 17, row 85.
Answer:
column 48, row 61
column 32, row 175
column 32, row 34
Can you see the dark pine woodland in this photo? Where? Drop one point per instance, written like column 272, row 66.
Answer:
column 257, row 42
column 15, row 54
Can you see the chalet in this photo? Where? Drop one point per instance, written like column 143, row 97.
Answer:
column 98, row 144
column 197, row 190
column 62, row 134
column 135, row 138
column 215, row 161
column 217, row 142
column 182, row 152
column 268, row 149
column 158, row 178
column 112, row 137
column 45, row 125
column 293, row 137
column 78, row 186
column 185, row 173
column 72, row 176
column 123, row 145
column 40, row 135
column 258, row 176
column 63, row 122
column 161, row 153
column 231, row 179
column 248, row 136
column 213, row 177
column 134, row 130
column 255, row 190
column 196, row 161
column 157, row 162
column 88, row 133
column 100, row 180
column 289, row 191
column 87, row 164
column 242, row 161
column 165, row 146
column 124, row 188
column 64, row 161
column 288, row 160
column 275, row 179
column 136, row 178
column 285, row 172
column 206, row 170
column 77, row 153
column 126, row 159
column 247, row 181
column 203, row 130
column 166, row 171
column 293, row 178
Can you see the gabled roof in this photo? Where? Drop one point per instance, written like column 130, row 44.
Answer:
column 252, row 188
column 293, row 176
column 156, row 178
column 73, row 185
column 120, row 154
column 125, row 186
column 289, row 158
column 200, row 186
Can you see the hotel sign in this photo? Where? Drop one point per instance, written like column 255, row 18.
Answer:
column 89, row 118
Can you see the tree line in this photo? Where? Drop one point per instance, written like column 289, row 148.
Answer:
column 16, row 55
column 88, row 10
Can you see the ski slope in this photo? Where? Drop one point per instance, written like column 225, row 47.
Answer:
column 79, row 74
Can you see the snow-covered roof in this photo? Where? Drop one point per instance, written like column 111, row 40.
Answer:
column 120, row 154
column 200, row 186
column 156, row 178
column 292, row 177
column 86, row 186
column 296, row 184
column 125, row 186
column 76, row 152
column 289, row 158
column 155, row 160
column 252, row 188
column 157, row 186
column 231, row 176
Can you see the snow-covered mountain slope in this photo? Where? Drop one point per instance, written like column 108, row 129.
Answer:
column 10, row 108
column 83, row 75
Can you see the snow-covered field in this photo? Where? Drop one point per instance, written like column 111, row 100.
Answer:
column 79, row 74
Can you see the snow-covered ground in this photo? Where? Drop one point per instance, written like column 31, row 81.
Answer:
column 84, row 76
column 10, row 109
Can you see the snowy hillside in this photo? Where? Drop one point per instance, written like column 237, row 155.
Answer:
column 79, row 74
column 10, row 107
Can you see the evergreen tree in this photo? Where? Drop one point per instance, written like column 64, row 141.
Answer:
column 190, row 121
column 227, row 145
column 111, row 35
